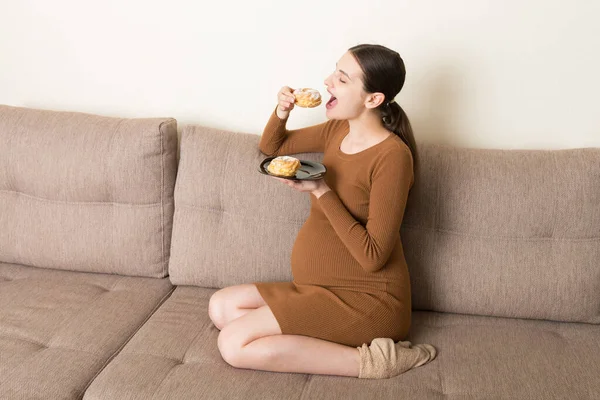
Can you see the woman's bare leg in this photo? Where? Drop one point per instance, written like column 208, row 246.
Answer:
column 254, row 341
column 230, row 303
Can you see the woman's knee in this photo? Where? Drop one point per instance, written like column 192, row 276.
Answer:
column 230, row 347
column 232, row 344
column 216, row 309
column 231, row 302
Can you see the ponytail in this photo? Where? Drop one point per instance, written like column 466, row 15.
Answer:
column 395, row 120
column 384, row 72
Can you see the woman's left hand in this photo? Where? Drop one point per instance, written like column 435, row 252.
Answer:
column 317, row 187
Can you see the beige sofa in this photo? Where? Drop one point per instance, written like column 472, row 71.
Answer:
column 110, row 248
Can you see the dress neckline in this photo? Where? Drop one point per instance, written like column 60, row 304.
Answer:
column 349, row 156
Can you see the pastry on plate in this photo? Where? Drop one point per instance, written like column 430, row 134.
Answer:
column 284, row 166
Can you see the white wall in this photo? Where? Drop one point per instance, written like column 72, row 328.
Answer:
column 497, row 74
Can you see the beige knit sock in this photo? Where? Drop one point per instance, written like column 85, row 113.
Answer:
column 384, row 358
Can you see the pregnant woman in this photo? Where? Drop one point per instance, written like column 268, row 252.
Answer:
column 348, row 307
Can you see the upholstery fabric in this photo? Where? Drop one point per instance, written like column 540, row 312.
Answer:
column 59, row 328
column 87, row 193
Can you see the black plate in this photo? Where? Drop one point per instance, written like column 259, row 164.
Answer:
column 308, row 171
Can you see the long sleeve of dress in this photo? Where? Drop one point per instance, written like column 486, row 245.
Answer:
column 371, row 245
column 276, row 140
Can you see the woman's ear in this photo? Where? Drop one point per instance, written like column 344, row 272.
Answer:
column 374, row 100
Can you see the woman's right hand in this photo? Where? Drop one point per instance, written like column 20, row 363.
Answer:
column 285, row 102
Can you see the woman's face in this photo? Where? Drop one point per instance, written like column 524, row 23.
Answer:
column 346, row 87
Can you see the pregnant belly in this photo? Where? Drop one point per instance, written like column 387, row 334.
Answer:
column 319, row 257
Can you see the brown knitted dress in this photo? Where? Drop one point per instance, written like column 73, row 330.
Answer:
column 350, row 278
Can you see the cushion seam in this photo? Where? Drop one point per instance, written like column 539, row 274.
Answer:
column 557, row 239
column 244, row 216
column 46, row 347
column 80, row 202
column 118, row 350
column 164, row 379
column 305, row 387
column 80, row 311
column 162, row 191
column 24, row 340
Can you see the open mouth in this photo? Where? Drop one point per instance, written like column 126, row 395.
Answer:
column 331, row 103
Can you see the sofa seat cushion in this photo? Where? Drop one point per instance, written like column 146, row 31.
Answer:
column 58, row 328
column 175, row 356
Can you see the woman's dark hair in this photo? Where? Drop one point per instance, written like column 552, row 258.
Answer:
column 384, row 72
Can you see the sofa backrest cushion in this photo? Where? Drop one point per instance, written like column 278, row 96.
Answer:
column 85, row 192
column 232, row 224
column 505, row 232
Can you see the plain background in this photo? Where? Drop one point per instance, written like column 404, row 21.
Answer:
column 495, row 74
